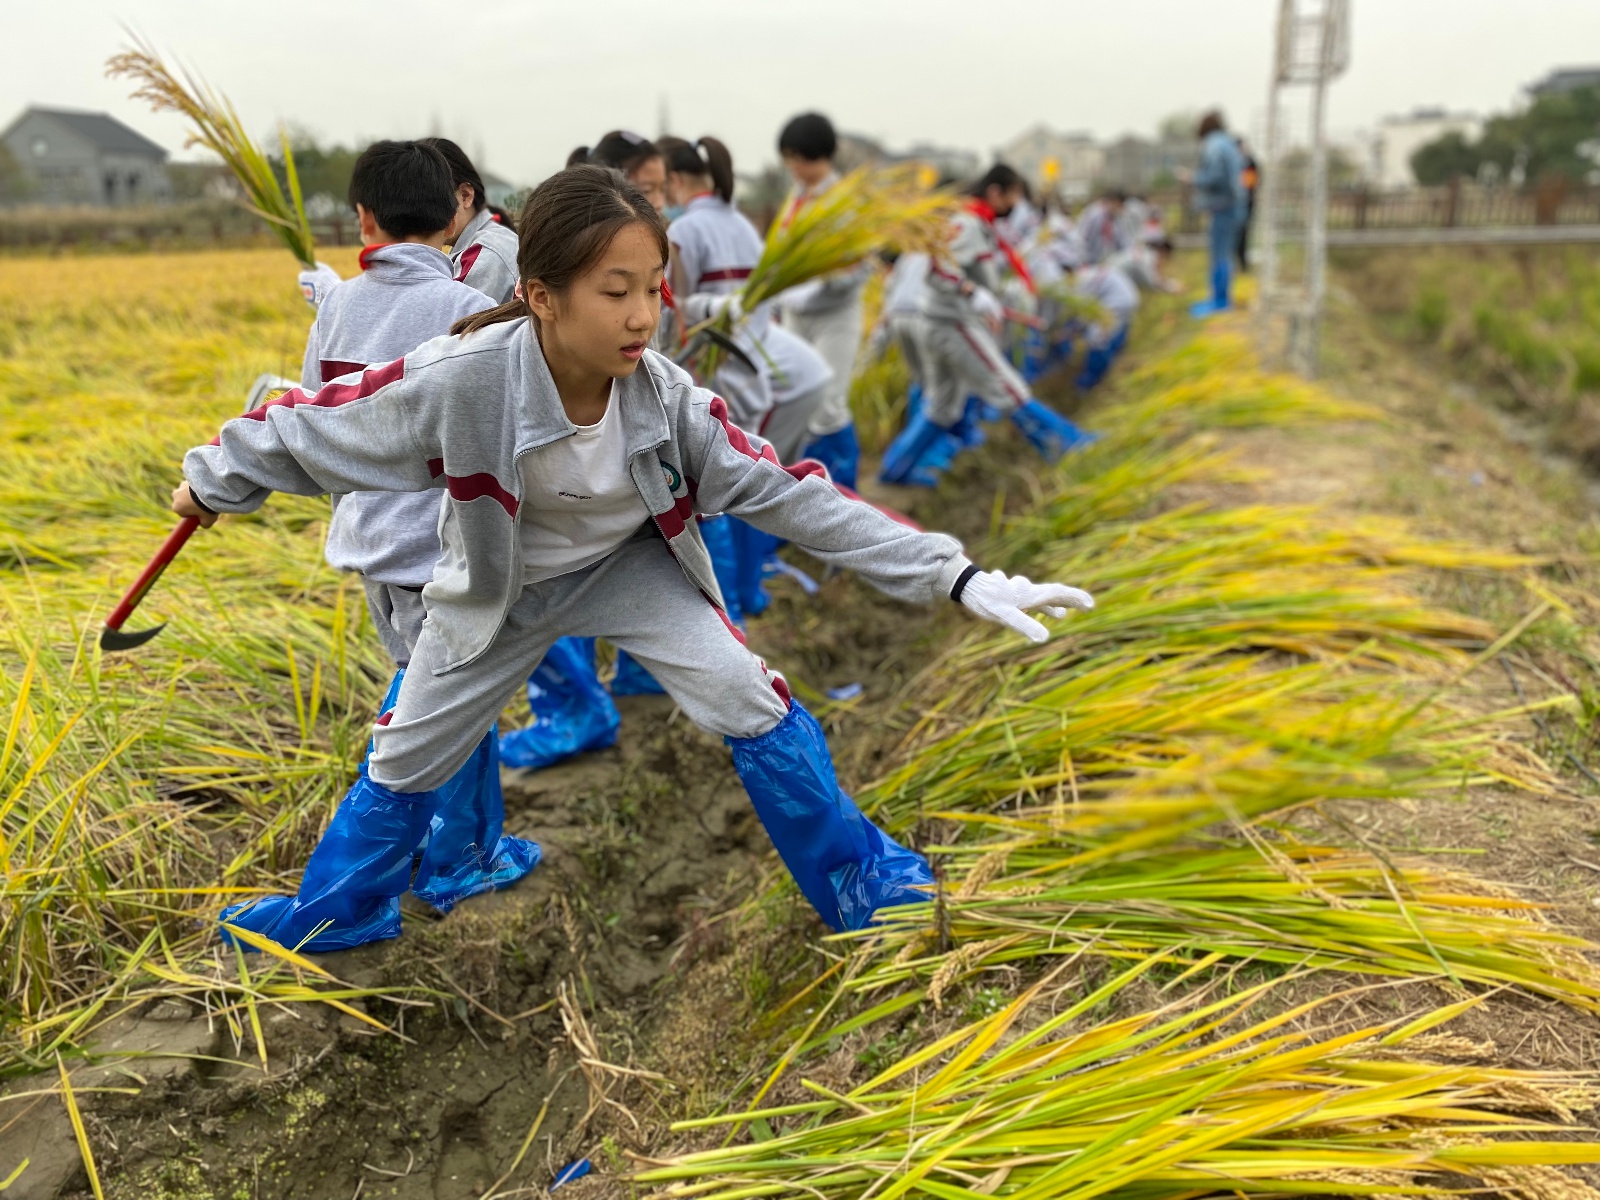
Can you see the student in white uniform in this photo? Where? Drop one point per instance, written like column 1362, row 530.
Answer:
column 714, row 248
column 955, row 348
column 826, row 312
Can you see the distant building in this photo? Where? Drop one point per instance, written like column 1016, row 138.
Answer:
column 1136, row 164
column 857, row 150
column 1566, row 79
column 1398, row 138
column 950, row 162
column 86, row 158
column 1067, row 163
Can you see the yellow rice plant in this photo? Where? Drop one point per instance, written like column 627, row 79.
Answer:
column 215, row 125
column 1172, row 1101
column 869, row 210
column 140, row 792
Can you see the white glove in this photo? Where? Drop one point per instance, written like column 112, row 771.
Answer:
column 728, row 304
column 1005, row 601
column 315, row 284
column 987, row 304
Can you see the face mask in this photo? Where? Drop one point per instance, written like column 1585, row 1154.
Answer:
column 672, row 212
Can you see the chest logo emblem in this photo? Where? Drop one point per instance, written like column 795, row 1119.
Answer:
column 674, row 480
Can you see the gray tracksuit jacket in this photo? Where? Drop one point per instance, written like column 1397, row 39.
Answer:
column 459, row 413
column 403, row 297
column 485, row 257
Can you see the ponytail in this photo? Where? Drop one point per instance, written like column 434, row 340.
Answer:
column 580, row 155
column 715, row 163
column 565, row 227
column 720, row 164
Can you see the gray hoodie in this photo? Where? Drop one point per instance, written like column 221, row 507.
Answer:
column 485, row 257
column 403, row 297
column 458, row 413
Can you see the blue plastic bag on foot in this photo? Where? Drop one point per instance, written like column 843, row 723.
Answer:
column 845, row 865
column 572, row 711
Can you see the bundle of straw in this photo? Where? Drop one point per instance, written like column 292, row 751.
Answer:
column 216, row 126
column 866, row 211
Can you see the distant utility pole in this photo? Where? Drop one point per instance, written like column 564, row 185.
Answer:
column 1313, row 49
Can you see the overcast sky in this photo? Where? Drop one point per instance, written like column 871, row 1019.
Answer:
column 523, row 81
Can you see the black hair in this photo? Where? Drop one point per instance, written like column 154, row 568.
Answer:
column 565, row 227
column 687, row 159
column 1000, row 176
column 619, row 149
column 462, row 171
column 406, row 186
column 809, row 136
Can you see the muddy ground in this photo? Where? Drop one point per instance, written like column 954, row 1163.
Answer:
column 650, row 846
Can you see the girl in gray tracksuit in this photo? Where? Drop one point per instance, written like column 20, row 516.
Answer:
column 571, row 462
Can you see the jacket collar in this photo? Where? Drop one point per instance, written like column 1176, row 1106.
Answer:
column 407, row 262
column 470, row 234
column 981, row 209
column 541, row 419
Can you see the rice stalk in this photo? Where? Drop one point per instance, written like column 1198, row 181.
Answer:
column 215, row 125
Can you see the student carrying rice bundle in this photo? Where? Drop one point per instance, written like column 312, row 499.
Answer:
column 547, row 533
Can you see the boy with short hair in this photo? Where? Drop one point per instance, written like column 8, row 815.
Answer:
column 405, row 202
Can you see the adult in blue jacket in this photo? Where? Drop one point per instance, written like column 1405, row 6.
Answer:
column 1219, row 191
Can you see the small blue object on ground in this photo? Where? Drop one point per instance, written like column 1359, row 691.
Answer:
column 848, row 692
column 571, row 1173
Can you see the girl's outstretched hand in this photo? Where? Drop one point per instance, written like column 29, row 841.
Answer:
column 185, row 505
column 1007, row 601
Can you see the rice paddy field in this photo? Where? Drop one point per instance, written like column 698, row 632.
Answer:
column 1276, row 875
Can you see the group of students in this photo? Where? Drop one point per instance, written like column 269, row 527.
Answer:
column 519, row 467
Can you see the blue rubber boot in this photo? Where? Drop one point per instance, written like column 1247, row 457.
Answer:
column 468, row 853
column 840, row 452
column 845, row 865
column 1035, row 354
column 572, row 711
column 717, row 533
column 751, row 549
column 354, row 879
column 913, row 447
column 631, row 679
column 1052, row 434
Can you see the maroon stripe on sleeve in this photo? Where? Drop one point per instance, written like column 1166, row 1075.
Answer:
column 725, row 274
column 333, row 395
column 676, row 519
column 436, row 467
column 468, row 257
column 467, row 488
column 331, row 368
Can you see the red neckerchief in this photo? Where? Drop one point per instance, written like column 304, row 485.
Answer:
column 666, row 294
column 981, row 209
column 366, row 250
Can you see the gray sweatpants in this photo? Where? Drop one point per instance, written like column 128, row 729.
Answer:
column 637, row 598
column 397, row 614
column 835, row 334
column 954, row 359
column 787, row 426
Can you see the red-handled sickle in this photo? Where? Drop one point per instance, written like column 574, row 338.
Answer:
column 111, row 637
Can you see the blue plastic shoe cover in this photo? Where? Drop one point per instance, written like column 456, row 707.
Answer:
column 1052, row 434
column 631, row 679
column 355, row 877
column 909, row 448
column 572, row 711
column 969, row 430
column 840, row 452
column 717, row 533
column 751, row 549
column 845, row 865
column 468, row 854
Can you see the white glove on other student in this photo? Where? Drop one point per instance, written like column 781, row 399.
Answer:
column 987, row 304
column 316, row 283
column 1007, row 601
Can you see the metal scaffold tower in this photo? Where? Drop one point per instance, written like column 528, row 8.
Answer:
column 1313, row 49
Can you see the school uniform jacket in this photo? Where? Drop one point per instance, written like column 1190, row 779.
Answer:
column 971, row 255
column 457, row 414
column 403, row 297
column 485, row 257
